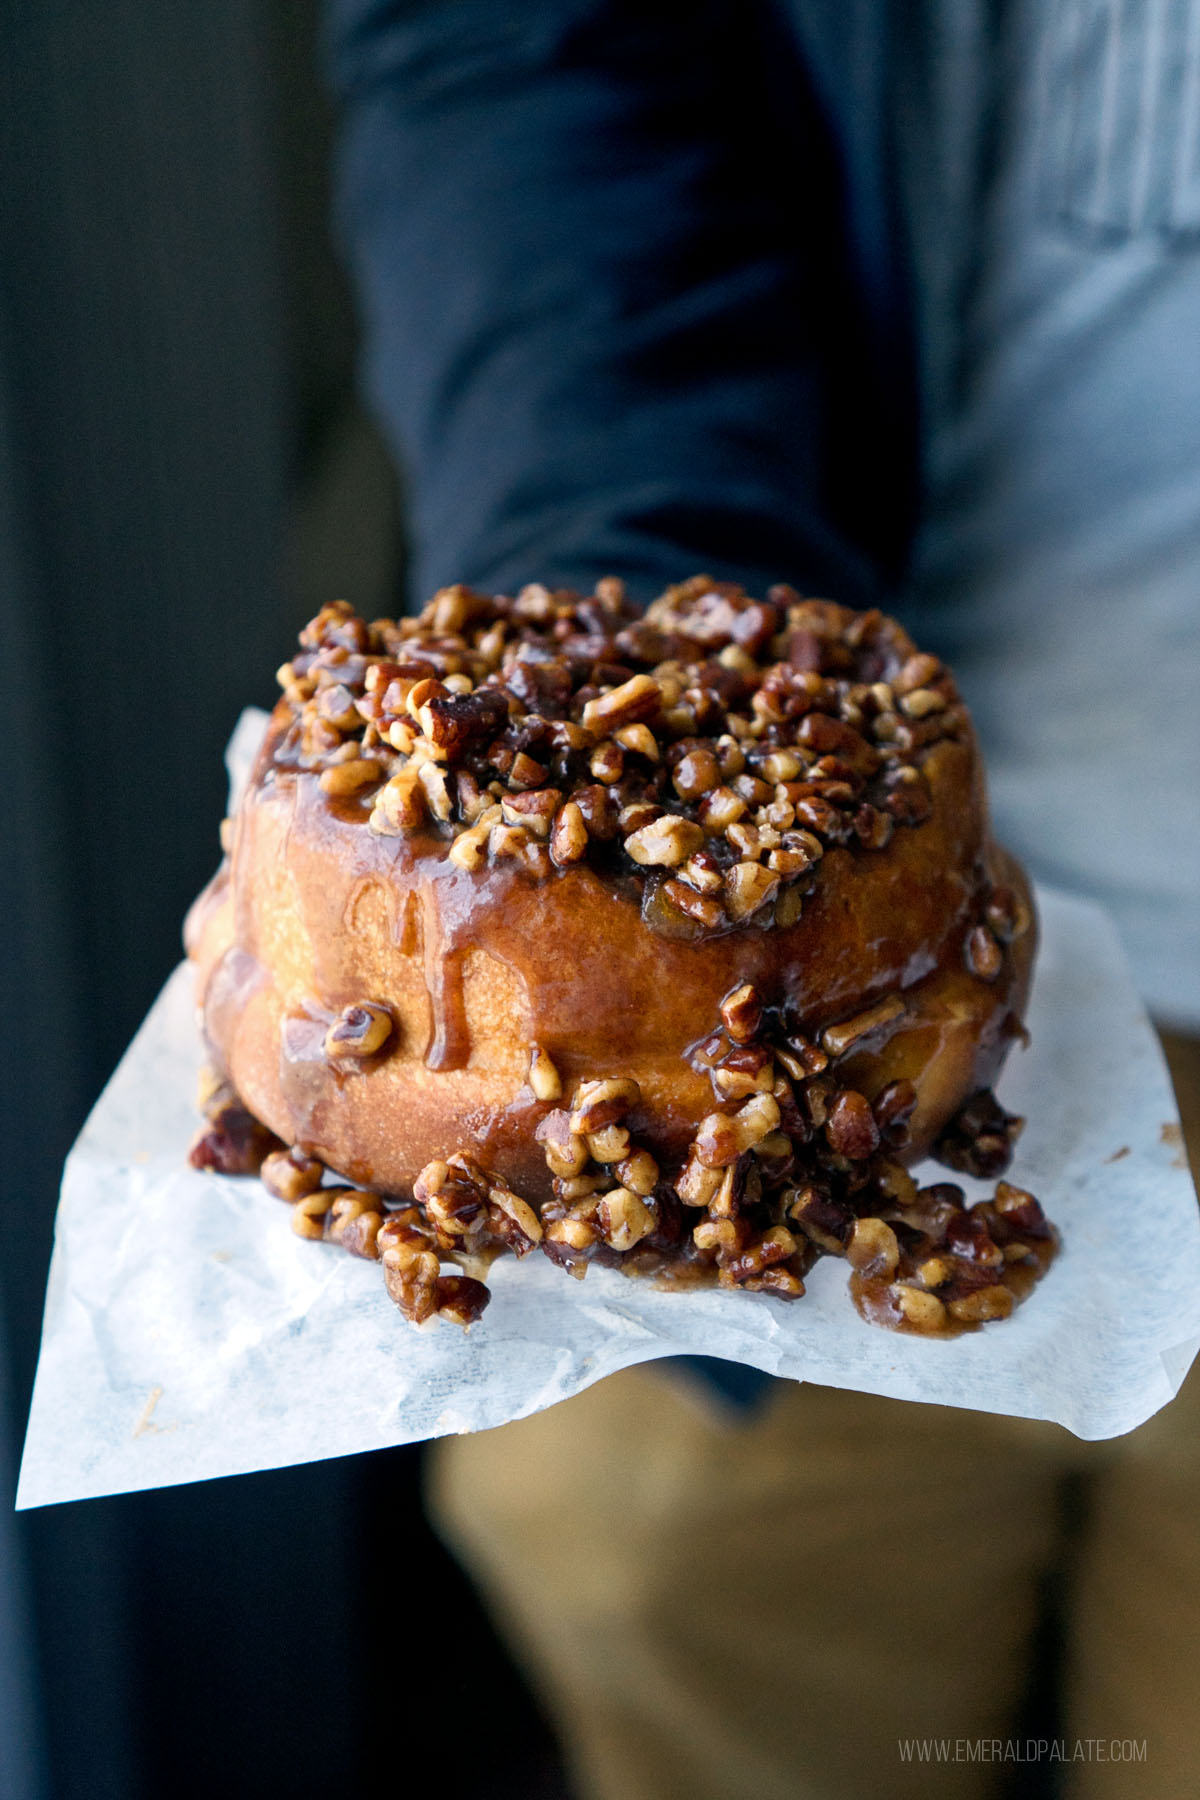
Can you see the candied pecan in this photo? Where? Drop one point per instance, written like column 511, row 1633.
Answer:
column 850, row 1126
column 565, row 1150
column 931, row 1208
column 638, row 1172
column 507, row 840
column 720, row 809
column 358, row 1234
column 774, row 1246
column 917, row 672
column 893, row 1108
column 411, row 1279
column 922, row 1310
column 748, row 887
column 742, row 1013
column 723, row 1239
column 470, row 848
column 872, row 1249
column 511, row 1218
column 979, row 1138
column 839, row 1038
column 872, row 827
column 539, row 678
column 309, row 1213
column 291, row 1174
column 456, row 722
column 574, row 1189
column 359, row 1031
column 543, row 1077
column 608, row 1145
column 827, row 736
column 640, row 739
column 526, row 772
column 343, row 1220
column 534, row 811
column 633, row 702
column 809, row 1057
column 697, row 1183
column 624, row 1218
column 722, row 1137
column 233, row 1142
column 1007, row 915
column 399, row 804
column 826, row 1221
column 703, row 872
column 598, row 811
column 667, row 841
column 351, row 777
column 727, row 1201
column 696, row 774
column 983, row 954
column 909, row 804
column 819, row 815
column 737, row 1077
column 336, row 705
column 705, row 909
column 714, row 613
column 967, row 1235
column 568, row 835
column 1020, row 1211
column 752, row 790
column 567, row 1236
column 336, row 624
column 784, row 1282
column 992, row 1302
column 600, row 1103
column 804, row 649
column 455, row 1195
column 459, row 1298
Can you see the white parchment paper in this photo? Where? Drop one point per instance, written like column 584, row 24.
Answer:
column 189, row 1333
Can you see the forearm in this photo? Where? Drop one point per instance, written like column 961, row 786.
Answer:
column 595, row 341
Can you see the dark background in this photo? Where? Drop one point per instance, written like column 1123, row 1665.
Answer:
column 185, row 476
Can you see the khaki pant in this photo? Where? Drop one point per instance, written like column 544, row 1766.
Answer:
column 772, row 1610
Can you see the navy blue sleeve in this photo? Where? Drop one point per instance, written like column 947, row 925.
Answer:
column 598, row 251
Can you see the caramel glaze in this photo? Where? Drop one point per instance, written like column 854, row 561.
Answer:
column 315, row 912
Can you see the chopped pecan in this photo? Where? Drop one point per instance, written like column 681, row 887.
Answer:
column 850, row 1126
column 359, row 1031
column 667, row 841
column 979, row 1138
column 291, row 1174
column 600, row 1103
column 839, row 1038
column 233, row 1142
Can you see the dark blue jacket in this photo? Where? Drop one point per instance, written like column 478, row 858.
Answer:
column 633, row 285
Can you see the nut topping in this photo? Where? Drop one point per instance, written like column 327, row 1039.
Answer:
column 291, row 1175
column 601, row 1103
column 742, row 1014
column 723, row 742
column 358, row 1031
column 543, row 1076
column 837, row 1039
column 720, row 761
column 667, row 841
